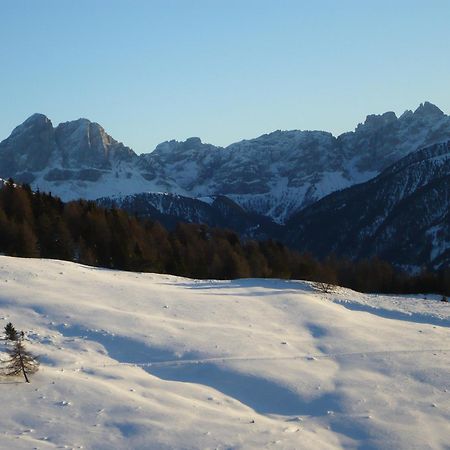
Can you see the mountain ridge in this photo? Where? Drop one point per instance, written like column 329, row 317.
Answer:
column 275, row 174
column 216, row 212
column 402, row 215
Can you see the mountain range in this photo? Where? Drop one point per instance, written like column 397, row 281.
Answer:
column 276, row 174
column 351, row 194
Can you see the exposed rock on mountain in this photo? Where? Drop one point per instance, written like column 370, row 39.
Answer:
column 85, row 144
column 76, row 159
column 29, row 147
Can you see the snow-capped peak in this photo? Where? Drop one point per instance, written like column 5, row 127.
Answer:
column 275, row 174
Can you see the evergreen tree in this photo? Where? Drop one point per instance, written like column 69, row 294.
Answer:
column 26, row 242
column 21, row 362
column 86, row 254
column 11, row 332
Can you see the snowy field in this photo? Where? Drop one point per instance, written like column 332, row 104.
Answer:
column 145, row 361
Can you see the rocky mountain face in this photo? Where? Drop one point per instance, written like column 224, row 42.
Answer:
column 402, row 215
column 217, row 211
column 78, row 152
column 275, row 175
column 282, row 172
column 29, row 147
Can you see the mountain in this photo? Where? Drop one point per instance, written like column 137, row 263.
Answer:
column 276, row 174
column 280, row 173
column 402, row 215
column 218, row 211
column 70, row 160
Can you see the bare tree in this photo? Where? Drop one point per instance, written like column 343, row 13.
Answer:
column 21, row 361
column 326, row 288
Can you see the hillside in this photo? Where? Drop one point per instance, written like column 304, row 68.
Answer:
column 401, row 216
column 136, row 361
column 217, row 211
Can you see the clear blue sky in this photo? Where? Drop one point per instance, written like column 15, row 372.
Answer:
column 225, row 70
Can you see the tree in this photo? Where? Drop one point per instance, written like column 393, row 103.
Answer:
column 20, row 361
column 11, row 332
column 326, row 278
column 26, row 241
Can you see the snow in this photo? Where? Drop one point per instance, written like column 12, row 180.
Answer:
column 439, row 245
column 147, row 361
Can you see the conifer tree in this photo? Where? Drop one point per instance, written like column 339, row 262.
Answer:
column 26, row 241
column 21, row 362
column 11, row 332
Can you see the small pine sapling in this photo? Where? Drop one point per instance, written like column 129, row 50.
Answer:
column 21, row 361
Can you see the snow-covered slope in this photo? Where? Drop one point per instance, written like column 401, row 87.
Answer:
column 275, row 174
column 401, row 216
column 145, row 361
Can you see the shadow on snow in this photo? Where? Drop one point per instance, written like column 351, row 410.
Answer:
column 262, row 395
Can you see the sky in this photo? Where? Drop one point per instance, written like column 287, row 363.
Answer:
column 155, row 70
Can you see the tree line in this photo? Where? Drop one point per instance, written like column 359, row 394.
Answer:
column 37, row 224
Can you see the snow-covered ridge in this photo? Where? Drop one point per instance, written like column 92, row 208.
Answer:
column 401, row 216
column 136, row 361
column 275, row 174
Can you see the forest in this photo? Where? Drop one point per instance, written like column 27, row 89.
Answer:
column 39, row 225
